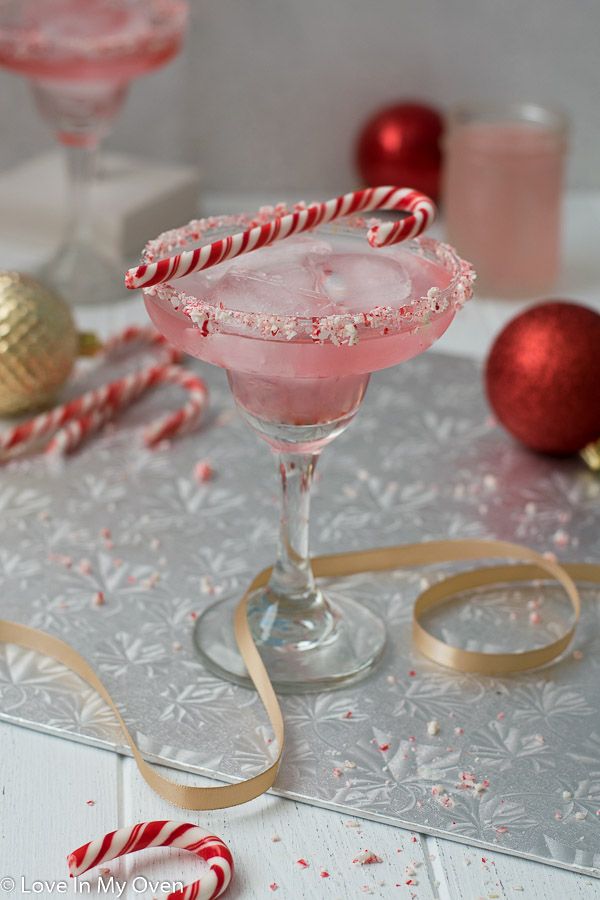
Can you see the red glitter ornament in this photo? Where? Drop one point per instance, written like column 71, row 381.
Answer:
column 543, row 377
column 400, row 144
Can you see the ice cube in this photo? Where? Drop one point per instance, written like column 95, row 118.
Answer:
column 308, row 276
column 359, row 281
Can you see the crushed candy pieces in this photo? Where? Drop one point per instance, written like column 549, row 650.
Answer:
column 151, row 581
column 433, row 727
column 206, row 585
column 203, row 472
column 61, row 559
column 303, row 863
column 366, row 858
column 561, row 538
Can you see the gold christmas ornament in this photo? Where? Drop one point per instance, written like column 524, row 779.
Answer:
column 38, row 343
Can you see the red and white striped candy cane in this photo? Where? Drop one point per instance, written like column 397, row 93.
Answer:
column 74, row 433
column 65, row 427
column 147, row 335
column 122, row 393
column 112, row 394
column 420, row 209
column 110, row 397
column 185, row 418
column 162, row 834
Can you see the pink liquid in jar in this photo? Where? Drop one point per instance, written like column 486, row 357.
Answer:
column 503, row 197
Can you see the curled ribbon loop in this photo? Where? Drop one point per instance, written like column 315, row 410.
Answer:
column 530, row 565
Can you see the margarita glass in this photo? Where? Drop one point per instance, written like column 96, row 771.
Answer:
column 79, row 57
column 299, row 326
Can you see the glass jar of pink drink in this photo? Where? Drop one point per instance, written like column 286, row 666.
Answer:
column 503, row 195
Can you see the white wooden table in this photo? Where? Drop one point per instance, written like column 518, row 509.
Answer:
column 45, row 782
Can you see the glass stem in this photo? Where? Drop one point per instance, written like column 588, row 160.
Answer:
column 292, row 580
column 81, row 171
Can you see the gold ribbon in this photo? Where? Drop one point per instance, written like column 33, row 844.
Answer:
column 532, row 565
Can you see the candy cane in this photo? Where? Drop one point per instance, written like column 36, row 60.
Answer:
column 123, row 393
column 185, row 418
column 420, row 209
column 74, row 433
column 162, row 834
column 66, row 426
column 46, row 424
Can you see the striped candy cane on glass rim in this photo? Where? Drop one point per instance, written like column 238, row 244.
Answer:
column 420, row 214
column 183, row 835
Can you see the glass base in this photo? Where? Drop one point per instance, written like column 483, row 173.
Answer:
column 80, row 274
column 350, row 646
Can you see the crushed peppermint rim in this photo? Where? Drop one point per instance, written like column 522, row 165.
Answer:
column 339, row 328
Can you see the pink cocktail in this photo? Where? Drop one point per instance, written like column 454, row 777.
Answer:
column 299, row 326
column 80, row 57
column 503, row 195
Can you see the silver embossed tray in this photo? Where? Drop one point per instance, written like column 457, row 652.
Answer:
column 516, row 763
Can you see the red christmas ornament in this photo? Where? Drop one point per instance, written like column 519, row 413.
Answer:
column 400, row 145
column 543, row 377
